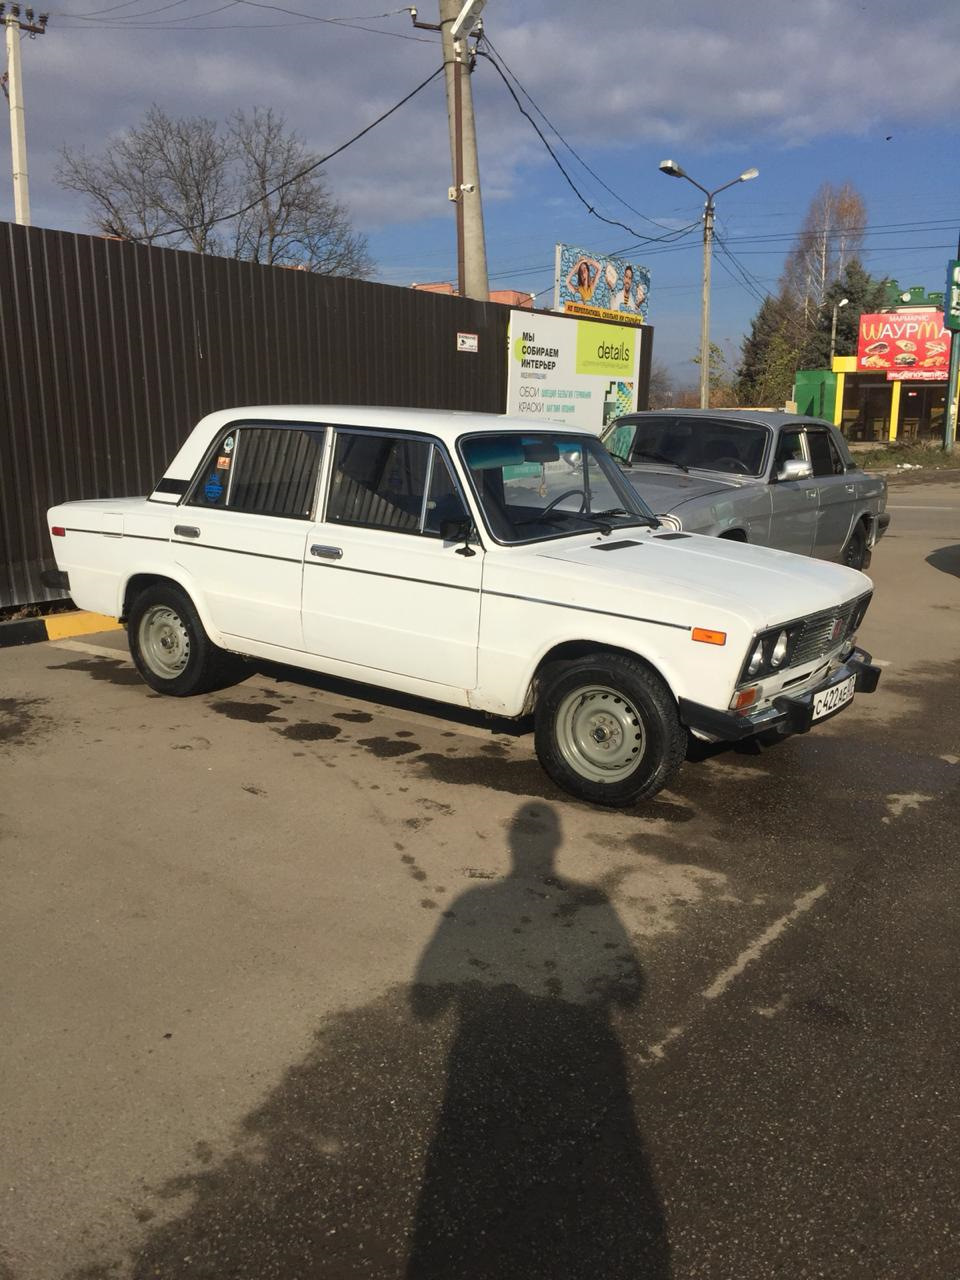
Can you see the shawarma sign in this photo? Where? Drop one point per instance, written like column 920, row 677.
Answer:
column 905, row 344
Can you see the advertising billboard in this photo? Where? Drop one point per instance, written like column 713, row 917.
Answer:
column 571, row 372
column 606, row 288
column 907, row 345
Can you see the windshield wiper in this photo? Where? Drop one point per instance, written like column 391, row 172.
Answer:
column 652, row 521
column 660, row 457
column 561, row 516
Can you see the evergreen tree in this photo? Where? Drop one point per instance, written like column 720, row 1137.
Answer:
column 863, row 294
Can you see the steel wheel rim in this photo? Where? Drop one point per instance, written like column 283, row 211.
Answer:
column 600, row 734
column 164, row 642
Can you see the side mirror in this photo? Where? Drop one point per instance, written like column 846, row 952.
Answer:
column 795, row 469
column 458, row 531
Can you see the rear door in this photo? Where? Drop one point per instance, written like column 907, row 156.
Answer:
column 836, row 494
column 241, row 530
column 793, row 503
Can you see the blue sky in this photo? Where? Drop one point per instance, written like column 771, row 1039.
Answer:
column 804, row 93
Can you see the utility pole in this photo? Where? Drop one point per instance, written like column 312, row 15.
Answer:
column 14, row 24
column 457, row 18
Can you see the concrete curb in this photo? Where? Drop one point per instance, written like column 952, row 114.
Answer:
column 56, row 626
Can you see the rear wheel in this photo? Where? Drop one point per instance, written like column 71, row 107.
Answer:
column 607, row 730
column 855, row 553
column 170, row 648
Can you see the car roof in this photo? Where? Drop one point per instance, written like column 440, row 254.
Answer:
column 765, row 417
column 447, row 424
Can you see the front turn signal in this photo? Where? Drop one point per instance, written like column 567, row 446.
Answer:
column 705, row 636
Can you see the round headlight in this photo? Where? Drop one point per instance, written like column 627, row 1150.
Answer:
column 756, row 660
column 780, row 650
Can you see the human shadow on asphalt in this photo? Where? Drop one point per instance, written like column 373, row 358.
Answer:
column 537, row 1167
column 946, row 559
column 475, row 1124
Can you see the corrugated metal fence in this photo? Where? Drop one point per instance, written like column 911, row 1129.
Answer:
column 110, row 353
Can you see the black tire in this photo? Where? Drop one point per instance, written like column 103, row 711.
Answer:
column 856, row 554
column 605, row 693
column 170, row 648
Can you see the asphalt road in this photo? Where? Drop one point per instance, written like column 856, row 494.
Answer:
column 299, row 982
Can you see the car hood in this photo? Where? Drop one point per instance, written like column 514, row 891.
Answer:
column 762, row 586
column 662, row 491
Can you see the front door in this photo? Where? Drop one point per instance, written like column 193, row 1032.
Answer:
column 793, row 503
column 382, row 588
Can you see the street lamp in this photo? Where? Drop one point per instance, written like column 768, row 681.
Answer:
column 671, row 168
column 833, row 328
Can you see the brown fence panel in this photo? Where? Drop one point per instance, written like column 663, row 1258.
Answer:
column 110, row 352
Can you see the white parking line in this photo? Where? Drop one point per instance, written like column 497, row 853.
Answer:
column 756, row 949
column 95, row 650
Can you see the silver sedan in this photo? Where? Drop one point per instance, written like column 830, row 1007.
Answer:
column 774, row 479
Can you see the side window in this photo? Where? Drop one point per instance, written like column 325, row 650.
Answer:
column 262, row 470
column 789, row 446
column 378, row 481
column 823, row 455
column 444, row 501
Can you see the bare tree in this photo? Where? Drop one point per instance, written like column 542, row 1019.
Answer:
column 832, row 233
column 240, row 190
column 300, row 224
column 661, row 386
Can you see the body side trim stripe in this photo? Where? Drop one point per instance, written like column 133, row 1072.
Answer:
column 397, row 577
column 580, row 608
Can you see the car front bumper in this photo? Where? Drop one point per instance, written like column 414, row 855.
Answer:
column 787, row 713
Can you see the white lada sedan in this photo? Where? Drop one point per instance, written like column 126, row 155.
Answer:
column 469, row 559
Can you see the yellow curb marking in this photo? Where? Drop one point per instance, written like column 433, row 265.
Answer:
column 62, row 625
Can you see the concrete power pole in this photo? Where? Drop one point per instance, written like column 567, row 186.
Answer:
column 18, row 134
column 472, row 250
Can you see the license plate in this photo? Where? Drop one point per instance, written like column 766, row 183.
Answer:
column 827, row 701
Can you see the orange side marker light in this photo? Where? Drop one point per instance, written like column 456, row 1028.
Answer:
column 705, row 636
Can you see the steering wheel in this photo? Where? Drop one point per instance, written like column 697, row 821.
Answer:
column 732, row 464
column 570, row 493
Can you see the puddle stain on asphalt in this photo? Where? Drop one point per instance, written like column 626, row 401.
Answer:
column 307, row 732
column 19, row 720
column 385, row 748
column 354, row 717
column 114, row 670
column 252, row 713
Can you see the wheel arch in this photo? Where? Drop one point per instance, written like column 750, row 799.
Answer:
column 141, row 580
column 572, row 650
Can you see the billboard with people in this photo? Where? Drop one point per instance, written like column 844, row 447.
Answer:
column 607, row 288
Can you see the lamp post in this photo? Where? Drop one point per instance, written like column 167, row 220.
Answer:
column 671, row 168
column 833, row 328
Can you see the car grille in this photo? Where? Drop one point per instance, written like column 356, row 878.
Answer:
column 822, row 632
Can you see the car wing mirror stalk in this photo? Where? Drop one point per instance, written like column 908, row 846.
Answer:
column 795, row 469
column 458, row 531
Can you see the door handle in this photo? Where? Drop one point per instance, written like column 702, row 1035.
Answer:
column 327, row 553
column 851, row 488
column 186, row 531
column 813, row 493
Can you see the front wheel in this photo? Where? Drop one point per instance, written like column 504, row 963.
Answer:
column 607, row 730
column 170, row 648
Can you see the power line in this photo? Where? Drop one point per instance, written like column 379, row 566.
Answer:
column 131, row 21
column 613, row 222
column 489, row 43
column 295, row 177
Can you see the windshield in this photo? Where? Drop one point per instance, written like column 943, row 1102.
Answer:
column 709, row 444
column 538, row 486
